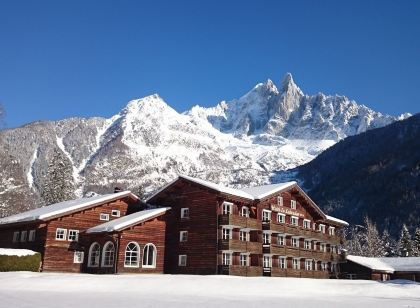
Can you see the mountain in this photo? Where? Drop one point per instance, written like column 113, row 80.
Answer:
column 376, row 173
column 241, row 142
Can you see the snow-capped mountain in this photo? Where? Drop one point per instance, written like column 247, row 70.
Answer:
column 240, row 142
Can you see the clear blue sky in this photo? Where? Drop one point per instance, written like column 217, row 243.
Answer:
column 89, row 58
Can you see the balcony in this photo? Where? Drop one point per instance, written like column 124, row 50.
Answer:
column 240, row 246
column 238, row 270
column 239, row 221
column 275, row 250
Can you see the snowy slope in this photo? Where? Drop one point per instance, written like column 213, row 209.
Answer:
column 239, row 143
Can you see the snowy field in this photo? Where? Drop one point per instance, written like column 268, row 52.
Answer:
column 25, row 289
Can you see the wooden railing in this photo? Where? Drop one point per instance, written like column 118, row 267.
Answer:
column 241, row 246
column 239, row 221
column 238, row 270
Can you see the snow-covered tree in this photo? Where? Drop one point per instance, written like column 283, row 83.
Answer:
column 404, row 244
column 354, row 238
column 372, row 245
column 58, row 185
column 390, row 245
column 416, row 243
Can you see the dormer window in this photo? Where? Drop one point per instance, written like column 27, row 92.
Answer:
column 227, row 208
column 293, row 204
column 245, row 211
column 280, row 200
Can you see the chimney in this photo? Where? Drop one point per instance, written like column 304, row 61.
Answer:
column 117, row 190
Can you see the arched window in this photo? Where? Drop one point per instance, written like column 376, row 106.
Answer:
column 108, row 255
column 132, row 255
column 94, row 252
column 149, row 256
column 245, row 211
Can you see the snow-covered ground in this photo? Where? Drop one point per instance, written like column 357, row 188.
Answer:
column 25, row 289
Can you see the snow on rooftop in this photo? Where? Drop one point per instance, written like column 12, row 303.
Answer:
column 16, row 252
column 388, row 264
column 128, row 220
column 259, row 192
column 336, row 220
column 62, row 208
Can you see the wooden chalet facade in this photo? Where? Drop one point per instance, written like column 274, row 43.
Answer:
column 272, row 230
column 190, row 226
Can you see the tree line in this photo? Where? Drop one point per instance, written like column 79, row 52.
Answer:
column 365, row 240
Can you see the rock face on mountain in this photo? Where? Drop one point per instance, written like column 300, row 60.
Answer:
column 241, row 142
column 376, row 173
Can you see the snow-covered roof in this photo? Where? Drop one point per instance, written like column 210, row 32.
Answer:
column 16, row 252
column 127, row 221
column 409, row 264
column 259, row 192
column 336, row 220
column 62, row 208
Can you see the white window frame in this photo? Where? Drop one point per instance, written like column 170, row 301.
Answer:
column 294, row 221
column 243, row 236
column 324, row 266
column 16, row 236
column 185, row 213
column 226, row 258
column 266, row 238
column 182, row 260
column 131, row 254
column 227, row 208
column 245, row 211
column 293, row 204
column 116, row 213
column 296, row 264
column 282, row 262
column 281, row 240
column 331, row 231
column 183, row 236
column 267, row 261
column 323, row 247
column 321, row 228
column 108, row 254
column 244, row 259
column 226, row 233
column 307, row 244
column 97, row 257
column 78, row 257
column 281, row 218
column 57, row 238
column 280, row 200
column 32, row 235
column 104, row 217
column 308, row 264
column 23, row 236
column 306, row 224
column 72, row 233
column 266, row 215
column 333, row 248
column 295, row 242
column 145, row 261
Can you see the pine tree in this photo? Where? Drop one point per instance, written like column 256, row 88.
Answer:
column 390, row 245
column 372, row 245
column 58, row 185
column 404, row 244
column 416, row 243
column 353, row 244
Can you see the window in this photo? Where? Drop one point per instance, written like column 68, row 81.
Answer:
column 243, row 259
column 281, row 240
column 281, row 218
column 94, row 252
column 266, row 215
column 280, row 200
column 108, row 254
column 243, row 236
column 295, row 241
column 334, row 249
column 321, row 228
column 293, row 204
column 307, row 244
column 294, row 221
column 16, row 236
column 267, row 261
column 331, row 231
column 306, row 223
column 266, row 238
column 104, row 217
column 227, row 208
column 23, row 236
column 183, row 236
column 185, row 213
column 308, row 265
column 132, row 255
column 182, row 260
column 78, row 257
column 31, row 236
column 73, row 235
column 333, row 267
column 296, row 264
column 115, row 213
column 60, row 234
column 244, row 211
column 226, row 234
column 149, row 256
column 323, row 247
column 227, row 258
column 324, row 266
column 282, row 262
